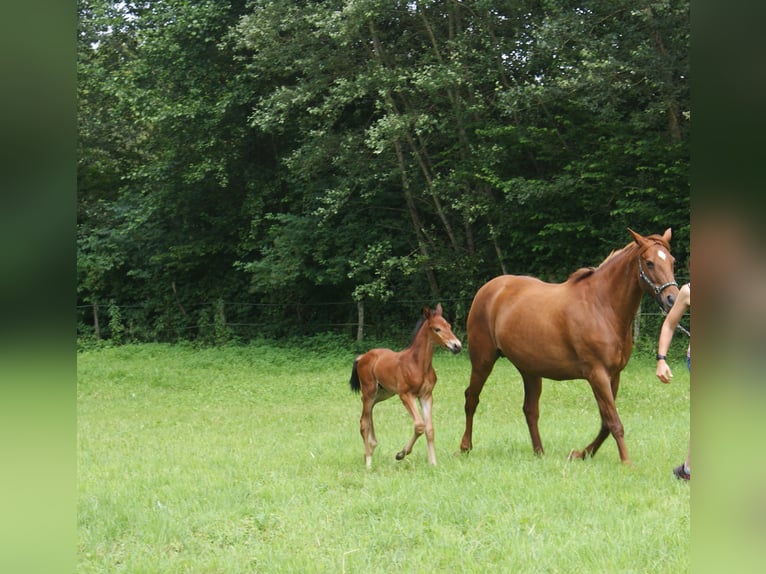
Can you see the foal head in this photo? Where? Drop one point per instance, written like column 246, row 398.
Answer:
column 655, row 267
column 439, row 330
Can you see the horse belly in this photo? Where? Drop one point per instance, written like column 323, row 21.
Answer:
column 532, row 333
column 549, row 365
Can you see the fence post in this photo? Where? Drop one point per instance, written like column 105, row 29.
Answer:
column 360, row 321
column 96, row 326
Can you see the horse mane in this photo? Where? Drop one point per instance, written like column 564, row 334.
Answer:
column 418, row 325
column 586, row 272
column 581, row 274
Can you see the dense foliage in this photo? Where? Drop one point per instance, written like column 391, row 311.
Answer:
column 260, row 167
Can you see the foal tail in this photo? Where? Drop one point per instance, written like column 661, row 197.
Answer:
column 356, row 386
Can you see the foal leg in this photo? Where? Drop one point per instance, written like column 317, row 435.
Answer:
column 366, row 430
column 533, row 387
column 380, row 396
column 371, row 396
column 420, row 426
column 426, row 404
column 372, row 393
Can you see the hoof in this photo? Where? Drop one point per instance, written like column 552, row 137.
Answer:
column 400, row 455
column 576, row 455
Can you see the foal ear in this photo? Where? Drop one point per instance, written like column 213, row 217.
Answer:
column 438, row 310
column 426, row 312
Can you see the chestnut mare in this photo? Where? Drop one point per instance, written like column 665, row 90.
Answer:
column 579, row 329
column 382, row 373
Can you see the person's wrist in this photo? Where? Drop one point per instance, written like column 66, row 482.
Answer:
column 661, row 357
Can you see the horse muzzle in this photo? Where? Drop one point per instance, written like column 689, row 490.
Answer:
column 455, row 347
column 667, row 296
column 667, row 301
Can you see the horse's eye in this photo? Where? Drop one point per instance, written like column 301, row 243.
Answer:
column 436, row 329
column 650, row 264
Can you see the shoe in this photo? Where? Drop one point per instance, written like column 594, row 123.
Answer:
column 681, row 474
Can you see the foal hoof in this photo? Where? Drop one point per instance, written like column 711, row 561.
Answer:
column 400, row 455
column 576, row 455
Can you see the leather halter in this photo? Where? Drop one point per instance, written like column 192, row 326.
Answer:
column 652, row 285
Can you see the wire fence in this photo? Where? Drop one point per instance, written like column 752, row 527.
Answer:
column 222, row 321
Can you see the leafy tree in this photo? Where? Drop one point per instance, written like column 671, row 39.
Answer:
column 286, row 155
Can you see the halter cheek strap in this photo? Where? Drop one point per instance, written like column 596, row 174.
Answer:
column 653, row 286
column 657, row 290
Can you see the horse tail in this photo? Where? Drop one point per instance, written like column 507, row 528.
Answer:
column 355, row 384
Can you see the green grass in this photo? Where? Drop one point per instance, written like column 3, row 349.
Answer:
column 249, row 459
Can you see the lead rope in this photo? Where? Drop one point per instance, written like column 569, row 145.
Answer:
column 680, row 327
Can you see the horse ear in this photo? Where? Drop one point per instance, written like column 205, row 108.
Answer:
column 666, row 236
column 438, row 310
column 640, row 239
column 426, row 312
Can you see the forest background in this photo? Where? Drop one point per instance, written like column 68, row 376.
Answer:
column 276, row 168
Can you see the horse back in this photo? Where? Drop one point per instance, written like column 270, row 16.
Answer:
column 546, row 329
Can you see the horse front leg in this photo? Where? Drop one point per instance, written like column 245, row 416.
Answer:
column 425, row 404
column 591, row 449
column 533, row 387
column 606, row 393
column 481, row 368
column 420, row 426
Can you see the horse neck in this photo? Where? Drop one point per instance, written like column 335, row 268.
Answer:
column 620, row 285
column 422, row 347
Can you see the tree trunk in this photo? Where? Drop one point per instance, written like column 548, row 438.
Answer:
column 409, row 200
column 416, row 223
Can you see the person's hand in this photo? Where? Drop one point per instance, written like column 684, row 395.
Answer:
column 663, row 371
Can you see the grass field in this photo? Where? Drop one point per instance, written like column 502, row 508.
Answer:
column 249, row 459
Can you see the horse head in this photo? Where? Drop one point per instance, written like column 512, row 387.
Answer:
column 655, row 267
column 440, row 330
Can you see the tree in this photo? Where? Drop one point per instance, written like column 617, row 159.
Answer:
column 300, row 153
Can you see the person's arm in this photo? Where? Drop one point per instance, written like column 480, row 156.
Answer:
column 669, row 325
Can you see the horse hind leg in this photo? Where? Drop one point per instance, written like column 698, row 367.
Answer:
column 366, row 429
column 533, row 387
column 370, row 396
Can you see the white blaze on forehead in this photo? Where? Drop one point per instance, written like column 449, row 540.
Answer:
column 662, row 255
